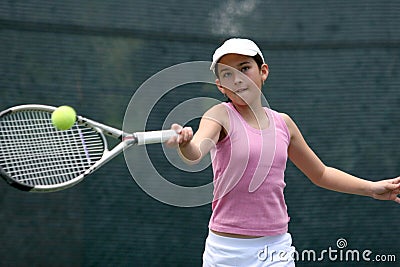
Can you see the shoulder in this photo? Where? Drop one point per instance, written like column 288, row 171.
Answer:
column 291, row 125
column 286, row 118
column 217, row 109
column 217, row 113
column 217, row 117
column 212, row 124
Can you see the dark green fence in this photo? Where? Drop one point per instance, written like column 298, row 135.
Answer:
column 334, row 67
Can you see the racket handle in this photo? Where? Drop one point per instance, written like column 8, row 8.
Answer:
column 152, row 137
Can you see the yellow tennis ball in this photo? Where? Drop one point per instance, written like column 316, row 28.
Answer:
column 63, row 118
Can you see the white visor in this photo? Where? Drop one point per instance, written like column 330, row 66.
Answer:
column 236, row 46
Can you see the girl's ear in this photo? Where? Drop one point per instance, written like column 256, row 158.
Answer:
column 264, row 72
column 219, row 86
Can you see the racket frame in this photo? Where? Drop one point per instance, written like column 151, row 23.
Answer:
column 126, row 141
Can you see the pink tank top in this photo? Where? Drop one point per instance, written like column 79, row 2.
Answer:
column 248, row 166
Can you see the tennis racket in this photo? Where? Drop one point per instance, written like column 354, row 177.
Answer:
column 37, row 157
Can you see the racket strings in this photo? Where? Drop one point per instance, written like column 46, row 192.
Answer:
column 33, row 152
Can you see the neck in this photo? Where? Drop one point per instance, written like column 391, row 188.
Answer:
column 250, row 110
column 254, row 115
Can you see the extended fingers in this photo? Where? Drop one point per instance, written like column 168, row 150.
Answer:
column 394, row 187
column 396, row 180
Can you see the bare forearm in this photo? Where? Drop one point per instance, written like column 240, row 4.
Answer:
column 190, row 153
column 337, row 180
column 330, row 178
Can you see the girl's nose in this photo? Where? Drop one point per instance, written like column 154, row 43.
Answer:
column 237, row 78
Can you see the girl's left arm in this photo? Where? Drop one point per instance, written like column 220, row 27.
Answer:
column 331, row 178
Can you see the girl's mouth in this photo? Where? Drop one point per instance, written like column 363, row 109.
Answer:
column 240, row 90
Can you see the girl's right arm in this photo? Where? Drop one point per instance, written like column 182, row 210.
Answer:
column 193, row 147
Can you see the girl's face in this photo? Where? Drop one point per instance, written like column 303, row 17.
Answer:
column 240, row 78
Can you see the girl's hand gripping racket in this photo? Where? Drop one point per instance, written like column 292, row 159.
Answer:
column 36, row 157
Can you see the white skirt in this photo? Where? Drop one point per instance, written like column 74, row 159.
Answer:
column 221, row 251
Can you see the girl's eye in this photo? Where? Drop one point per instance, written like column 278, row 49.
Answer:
column 227, row 75
column 246, row 68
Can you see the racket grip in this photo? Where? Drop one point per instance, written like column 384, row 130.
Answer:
column 152, row 137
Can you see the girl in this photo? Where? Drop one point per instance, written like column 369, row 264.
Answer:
column 250, row 145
